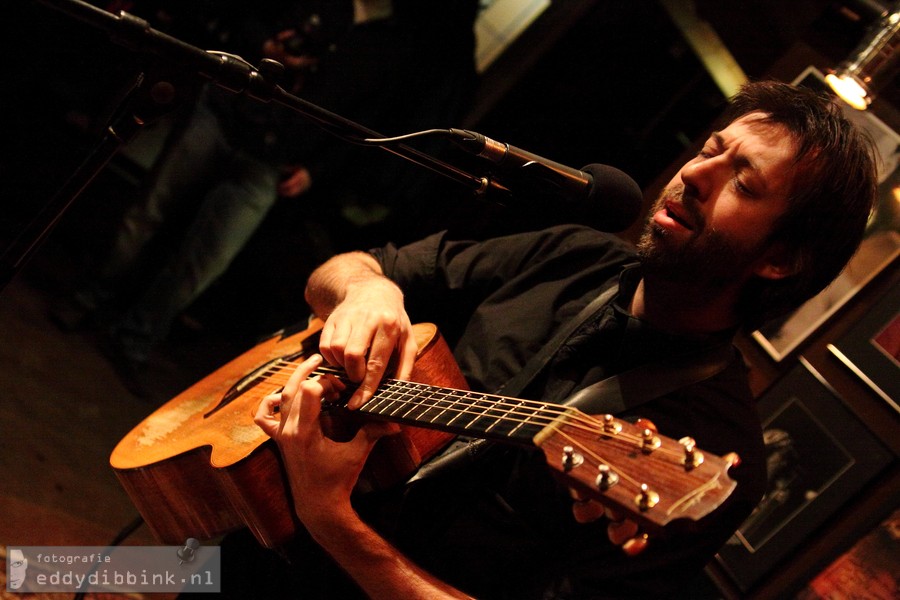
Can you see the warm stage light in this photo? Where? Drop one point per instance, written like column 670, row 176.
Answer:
column 872, row 64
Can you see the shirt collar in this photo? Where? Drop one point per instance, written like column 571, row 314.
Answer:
column 641, row 332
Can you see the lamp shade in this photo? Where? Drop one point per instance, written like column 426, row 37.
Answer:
column 871, row 64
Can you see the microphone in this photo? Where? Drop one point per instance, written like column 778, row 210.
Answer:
column 601, row 196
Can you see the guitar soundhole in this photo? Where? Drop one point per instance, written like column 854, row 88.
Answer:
column 252, row 379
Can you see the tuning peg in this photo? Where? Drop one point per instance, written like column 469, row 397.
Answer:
column 626, row 534
column 649, row 442
column 570, row 458
column 733, row 459
column 692, row 456
column 610, row 425
column 645, row 424
column 606, row 478
column 647, row 499
column 636, row 545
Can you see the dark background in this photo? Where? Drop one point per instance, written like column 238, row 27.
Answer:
column 590, row 82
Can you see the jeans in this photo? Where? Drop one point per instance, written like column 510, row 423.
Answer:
column 235, row 192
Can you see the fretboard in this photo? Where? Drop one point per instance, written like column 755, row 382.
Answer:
column 460, row 411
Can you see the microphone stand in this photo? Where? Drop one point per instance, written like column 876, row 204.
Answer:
column 154, row 93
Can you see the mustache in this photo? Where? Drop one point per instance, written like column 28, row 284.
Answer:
column 676, row 194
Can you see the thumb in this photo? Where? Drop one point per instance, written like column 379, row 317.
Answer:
column 267, row 417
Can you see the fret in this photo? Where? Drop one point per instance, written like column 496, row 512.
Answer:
column 526, row 423
column 480, row 402
column 440, row 401
column 449, row 407
column 459, row 410
column 506, row 419
column 397, row 403
column 459, row 413
column 416, row 405
column 377, row 403
column 487, row 407
column 517, row 416
column 439, row 415
column 401, row 399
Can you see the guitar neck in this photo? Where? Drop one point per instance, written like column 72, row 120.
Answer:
column 634, row 469
column 462, row 412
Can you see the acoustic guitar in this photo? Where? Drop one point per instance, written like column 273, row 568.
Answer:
column 200, row 467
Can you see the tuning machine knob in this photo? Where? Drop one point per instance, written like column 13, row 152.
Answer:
column 570, row 458
column 606, row 478
column 647, row 499
column 692, row 457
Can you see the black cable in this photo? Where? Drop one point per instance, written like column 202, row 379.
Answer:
column 116, row 541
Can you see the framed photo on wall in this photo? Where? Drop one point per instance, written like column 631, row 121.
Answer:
column 880, row 247
column 871, row 350
column 819, row 454
column 869, row 569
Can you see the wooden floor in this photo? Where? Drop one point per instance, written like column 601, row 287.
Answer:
column 62, row 411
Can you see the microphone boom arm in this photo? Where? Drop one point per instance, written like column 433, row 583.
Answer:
column 152, row 95
column 237, row 75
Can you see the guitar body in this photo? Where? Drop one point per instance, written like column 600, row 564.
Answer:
column 200, row 467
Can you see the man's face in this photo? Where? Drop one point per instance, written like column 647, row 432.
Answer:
column 711, row 222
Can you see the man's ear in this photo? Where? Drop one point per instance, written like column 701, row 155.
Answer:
column 778, row 262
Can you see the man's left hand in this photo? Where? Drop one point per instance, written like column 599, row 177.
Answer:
column 620, row 531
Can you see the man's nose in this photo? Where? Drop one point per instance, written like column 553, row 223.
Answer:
column 701, row 177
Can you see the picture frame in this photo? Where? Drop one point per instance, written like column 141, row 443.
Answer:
column 869, row 569
column 819, row 455
column 871, row 350
column 880, row 247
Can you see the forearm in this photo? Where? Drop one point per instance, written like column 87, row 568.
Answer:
column 330, row 283
column 377, row 567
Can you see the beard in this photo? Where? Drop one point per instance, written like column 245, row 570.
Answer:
column 707, row 258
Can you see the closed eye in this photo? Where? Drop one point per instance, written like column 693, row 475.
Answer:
column 741, row 188
column 713, row 146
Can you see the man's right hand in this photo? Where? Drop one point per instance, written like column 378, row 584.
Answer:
column 366, row 322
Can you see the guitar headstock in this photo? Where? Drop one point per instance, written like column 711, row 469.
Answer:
column 653, row 479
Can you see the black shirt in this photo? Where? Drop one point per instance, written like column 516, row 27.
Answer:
column 502, row 526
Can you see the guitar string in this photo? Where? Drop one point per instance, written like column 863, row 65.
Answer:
column 546, row 412
column 279, row 375
column 600, row 459
column 704, row 485
column 542, row 414
column 577, row 419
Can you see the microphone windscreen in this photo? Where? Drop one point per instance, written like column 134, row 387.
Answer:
column 614, row 200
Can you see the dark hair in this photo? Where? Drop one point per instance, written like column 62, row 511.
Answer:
column 832, row 197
